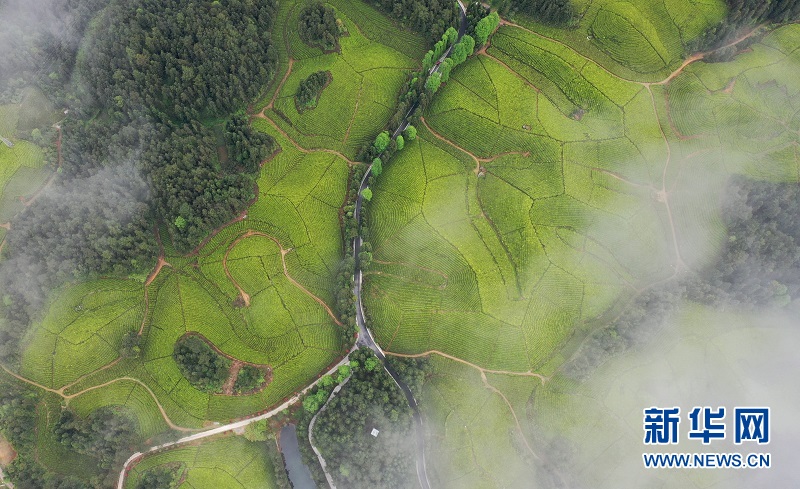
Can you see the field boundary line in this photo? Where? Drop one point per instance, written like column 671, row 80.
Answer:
column 263, row 115
column 68, row 397
column 284, row 251
column 544, row 379
column 513, row 413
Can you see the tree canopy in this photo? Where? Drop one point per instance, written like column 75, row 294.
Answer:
column 203, row 367
column 369, row 400
column 318, row 26
column 310, row 89
column 431, row 18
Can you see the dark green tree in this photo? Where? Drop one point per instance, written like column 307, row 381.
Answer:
column 318, row 26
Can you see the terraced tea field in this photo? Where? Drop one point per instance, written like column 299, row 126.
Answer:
column 22, row 170
column 557, row 174
column 549, row 185
column 231, row 462
column 375, row 57
column 259, row 289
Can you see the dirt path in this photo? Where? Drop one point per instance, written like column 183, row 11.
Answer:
column 478, row 160
column 691, row 59
column 513, row 413
column 271, row 103
column 6, row 226
column 284, row 251
column 698, row 56
column 262, row 115
column 68, row 397
column 486, row 384
column 233, row 373
column 663, row 195
column 244, row 295
column 541, row 377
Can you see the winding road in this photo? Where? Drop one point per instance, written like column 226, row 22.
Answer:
column 364, row 336
column 364, row 339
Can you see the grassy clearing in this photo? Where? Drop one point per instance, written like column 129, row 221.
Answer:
column 230, row 462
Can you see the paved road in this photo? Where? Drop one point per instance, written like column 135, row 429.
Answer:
column 364, row 339
column 311, row 432
column 221, row 429
column 364, row 336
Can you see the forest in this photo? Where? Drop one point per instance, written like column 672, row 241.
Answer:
column 555, row 12
column 152, row 108
column 745, row 14
column 760, row 263
column 310, row 89
column 200, row 364
column 431, row 18
column 40, row 41
column 103, row 435
column 157, row 478
column 318, row 26
column 370, row 399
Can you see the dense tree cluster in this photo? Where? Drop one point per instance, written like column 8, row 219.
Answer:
column 310, row 89
column 203, row 367
column 319, row 27
column 555, row 12
column 431, row 18
column 370, row 400
column 249, row 379
column 104, row 434
column 475, row 12
column 40, row 42
column 760, row 262
column 744, row 14
column 413, row 371
column 485, row 27
column 157, row 70
column 157, row 478
column 177, row 59
column 247, row 148
column 18, row 415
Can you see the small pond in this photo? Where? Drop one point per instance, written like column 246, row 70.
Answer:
column 299, row 475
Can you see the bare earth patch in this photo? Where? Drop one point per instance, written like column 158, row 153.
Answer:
column 7, row 452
